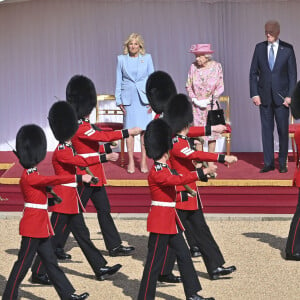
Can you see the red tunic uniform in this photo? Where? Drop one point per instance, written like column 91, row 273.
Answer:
column 163, row 217
column 64, row 162
column 181, row 159
column 297, row 170
column 293, row 240
column 86, row 143
column 35, row 220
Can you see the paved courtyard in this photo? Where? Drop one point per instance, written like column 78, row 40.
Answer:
column 255, row 245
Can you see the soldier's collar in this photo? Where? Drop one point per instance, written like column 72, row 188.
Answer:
column 63, row 144
column 161, row 164
column 80, row 121
column 31, row 170
column 184, row 137
column 68, row 144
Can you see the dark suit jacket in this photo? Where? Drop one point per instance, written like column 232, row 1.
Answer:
column 280, row 81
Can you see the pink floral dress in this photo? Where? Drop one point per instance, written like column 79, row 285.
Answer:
column 203, row 83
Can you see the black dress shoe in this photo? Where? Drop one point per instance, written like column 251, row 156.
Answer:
column 295, row 256
column 198, row 297
column 221, row 271
column 170, row 278
column 195, row 251
column 266, row 169
column 107, row 271
column 79, row 297
column 61, row 254
column 40, row 279
column 121, row 251
column 283, row 169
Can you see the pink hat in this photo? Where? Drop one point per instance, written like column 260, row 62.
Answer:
column 201, row 48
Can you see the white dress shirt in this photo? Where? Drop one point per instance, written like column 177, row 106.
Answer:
column 275, row 48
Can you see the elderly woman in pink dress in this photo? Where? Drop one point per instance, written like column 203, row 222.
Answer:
column 204, row 84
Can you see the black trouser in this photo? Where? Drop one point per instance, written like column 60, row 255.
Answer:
column 157, row 246
column 76, row 224
column 29, row 247
column 281, row 115
column 189, row 234
column 108, row 228
column 205, row 241
column 293, row 241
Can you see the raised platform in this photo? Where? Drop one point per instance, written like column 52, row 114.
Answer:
column 239, row 188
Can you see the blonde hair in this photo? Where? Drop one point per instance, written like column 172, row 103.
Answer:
column 140, row 40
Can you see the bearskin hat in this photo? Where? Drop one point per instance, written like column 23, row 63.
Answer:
column 159, row 88
column 295, row 103
column 63, row 120
column 31, row 145
column 81, row 94
column 157, row 139
column 179, row 112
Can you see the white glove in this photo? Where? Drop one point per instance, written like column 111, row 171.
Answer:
column 201, row 103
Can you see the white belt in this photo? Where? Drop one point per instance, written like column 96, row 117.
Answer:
column 161, row 203
column 85, row 155
column 36, row 205
column 72, row 184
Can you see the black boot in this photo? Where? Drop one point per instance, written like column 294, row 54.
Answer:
column 121, row 251
column 79, row 297
column 40, row 279
column 106, row 271
column 61, row 254
column 221, row 271
column 170, row 278
column 195, row 251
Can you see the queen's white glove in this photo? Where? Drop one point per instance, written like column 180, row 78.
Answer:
column 201, row 103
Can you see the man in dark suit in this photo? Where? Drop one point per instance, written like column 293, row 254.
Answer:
column 273, row 76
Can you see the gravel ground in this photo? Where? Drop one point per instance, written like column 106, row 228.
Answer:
column 256, row 247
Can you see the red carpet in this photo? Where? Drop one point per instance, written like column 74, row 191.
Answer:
column 239, row 188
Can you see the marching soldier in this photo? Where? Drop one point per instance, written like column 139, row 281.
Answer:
column 163, row 223
column 179, row 116
column 63, row 122
column 292, row 249
column 35, row 226
column 81, row 94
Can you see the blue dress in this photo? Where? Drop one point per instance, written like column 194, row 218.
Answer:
column 137, row 113
column 131, row 77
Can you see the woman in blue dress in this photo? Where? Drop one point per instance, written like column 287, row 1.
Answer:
column 133, row 69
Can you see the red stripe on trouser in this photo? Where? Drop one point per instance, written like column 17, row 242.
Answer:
column 295, row 236
column 162, row 269
column 63, row 230
column 81, row 191
column 151, row 266
column 12, row 291
column 40, row 264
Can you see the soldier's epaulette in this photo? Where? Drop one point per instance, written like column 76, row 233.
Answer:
column 175, row 139
column 61, row 147
column 158, row 168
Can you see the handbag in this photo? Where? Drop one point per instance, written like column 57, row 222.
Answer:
column 215, row 117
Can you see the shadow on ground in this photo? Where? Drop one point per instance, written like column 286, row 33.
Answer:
column 273, row 241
